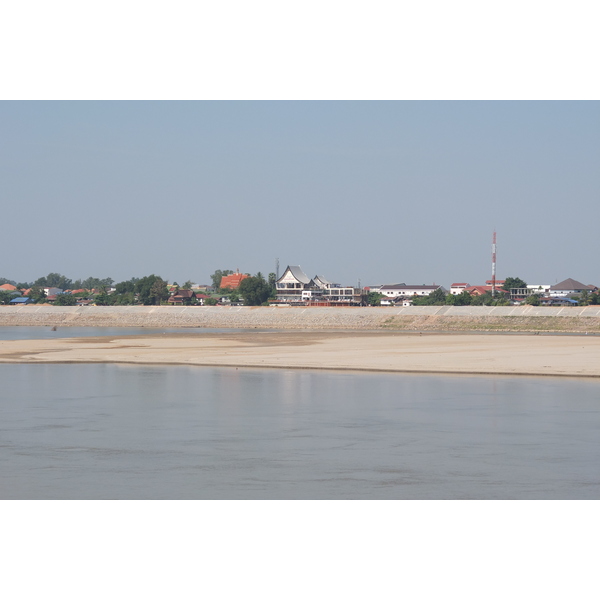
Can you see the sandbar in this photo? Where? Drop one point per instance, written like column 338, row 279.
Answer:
column 560, row 355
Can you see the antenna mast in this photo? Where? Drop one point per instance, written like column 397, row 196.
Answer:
column 494, row 264
column 277, row 267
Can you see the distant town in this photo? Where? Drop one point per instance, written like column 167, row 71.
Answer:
column 293, row 288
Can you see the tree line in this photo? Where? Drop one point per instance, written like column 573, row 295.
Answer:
column 254, row 290
column 151, row 289
column 439, row 298
column 60, row 281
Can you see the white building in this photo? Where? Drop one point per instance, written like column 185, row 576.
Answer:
column 541, row 290
column 295, row 287
column 402, row 290
column 569, row 286
column 292, row 283
column 458, row 288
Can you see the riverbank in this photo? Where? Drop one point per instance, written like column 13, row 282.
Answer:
column 576, row 356
column 418, row 318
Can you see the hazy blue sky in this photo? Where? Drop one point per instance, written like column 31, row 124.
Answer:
column 383, row 192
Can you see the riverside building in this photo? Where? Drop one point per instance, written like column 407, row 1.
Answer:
column 294, row 287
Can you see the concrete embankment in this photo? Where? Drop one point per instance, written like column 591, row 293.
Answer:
column 418, row 318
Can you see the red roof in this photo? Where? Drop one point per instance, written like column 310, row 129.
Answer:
column 232, row 281
column 482, row 289
column 459, row 285
column 8, row 287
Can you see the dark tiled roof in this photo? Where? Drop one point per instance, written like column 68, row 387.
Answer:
column 184, row 294
column 571, row 284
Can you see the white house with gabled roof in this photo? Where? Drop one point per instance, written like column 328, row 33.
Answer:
column 458, row 288
column 570, row 286
column 291, row 285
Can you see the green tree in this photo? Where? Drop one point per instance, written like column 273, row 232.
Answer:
column 583, row 299
column 483, row 300
column 126, row 287
column 94, row 283
column 124, row 299
column 151, row 289
column 500, row 299
column 374, row 298
column 6, row 296
column 533, row 300
column 273, row 280
column 54, row 280
column 462, row 299
column 103, row 299
column 159, row 291
column 211, row 301
column 187, row 285
column 65, row 300
column 255, row 290
column 437, row 297
column 511, row 283
column 37, row 293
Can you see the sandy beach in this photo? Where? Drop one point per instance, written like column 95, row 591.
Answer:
column 562, row 355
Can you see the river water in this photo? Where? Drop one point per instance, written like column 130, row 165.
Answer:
column 147, row 432
column 48, row 333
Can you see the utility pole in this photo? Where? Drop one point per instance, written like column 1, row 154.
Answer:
column 494, row 264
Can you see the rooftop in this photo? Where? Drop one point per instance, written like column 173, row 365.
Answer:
column 571, row 284
column 232, row 281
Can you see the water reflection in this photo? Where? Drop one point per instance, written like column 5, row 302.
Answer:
column 108, row 431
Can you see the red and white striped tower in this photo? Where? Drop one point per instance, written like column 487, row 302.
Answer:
column 494, row 264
